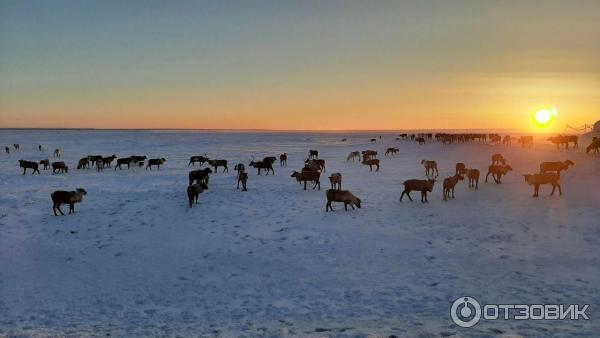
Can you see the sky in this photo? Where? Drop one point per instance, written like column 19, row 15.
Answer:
column 298, row 65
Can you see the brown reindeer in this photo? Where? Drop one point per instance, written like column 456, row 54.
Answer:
column 242, row 178
column 430, row 166
column 526, row 141
column 59, row 167
column 107, row 161
column 564, row 139
column 29, row 165
column 83, row 163
column 308, row 176
column 194, row 190
column 497, row 171
column 45, row 163
column 219, row 163
column 473, row 176
column 283, row 160
column 371, row 163
column 423, row 186
column 498, row 159
column 199, row 159
column 155, row 161
column 449, row 184
column 262, row 165
column 66, row 197
column 391, row 151
column 355, row 155
column 320, row 164
column 199, row 176
column 555, row 166
column 546, row 178
column 313, row 154
column 343, row 196
column 94, row 159
column 594, row 147
column 56, row 152
column 460, row 168
column 336, row 181
column 123, row 160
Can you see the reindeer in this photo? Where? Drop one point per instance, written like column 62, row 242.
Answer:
column 123, row 160
column 449, row 184
column 66, row 197
column 546, row 178
column 268, row 166
column 219, row 163
column 320, row 164
column 498, row 159
column 199, row 159
column 391, row 151
column 313, row 154
column 242, row 178
column 29, row 165
column 497, row 172
column 199, row 176
column 526, row 141
column 45, row 163
column 336, row 181
column 473, row 176
column 93, row 159
column 106, row 161
column 59, row 167
column 155, row 161
column 460, row 168
column 240, row 168
column 555, row 166
column 355, row 155
column 305, row 176
column 83, row 163
column 430, row 166
column 594, row 147
column 283, row 160
column 371, row 163
column 17, row 146
column 57, row 152
column 343, row 196
column 423, row 186
column 193, row 190
column 7, row 150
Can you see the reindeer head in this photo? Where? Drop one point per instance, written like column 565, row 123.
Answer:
column 81, row 191
column 569, row 162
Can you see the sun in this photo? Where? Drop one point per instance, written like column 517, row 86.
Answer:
column 544, row 117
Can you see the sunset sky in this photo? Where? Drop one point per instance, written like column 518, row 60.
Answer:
column 298, row 64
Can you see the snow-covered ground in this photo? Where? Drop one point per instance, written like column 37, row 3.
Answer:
column 135, row 260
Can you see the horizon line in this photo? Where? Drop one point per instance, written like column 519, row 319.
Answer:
column 271, row 130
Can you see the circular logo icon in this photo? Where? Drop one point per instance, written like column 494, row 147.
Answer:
column 465, row 312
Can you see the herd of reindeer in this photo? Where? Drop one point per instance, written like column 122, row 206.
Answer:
column 314, row 166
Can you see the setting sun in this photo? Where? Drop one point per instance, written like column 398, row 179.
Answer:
column 544, row 117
